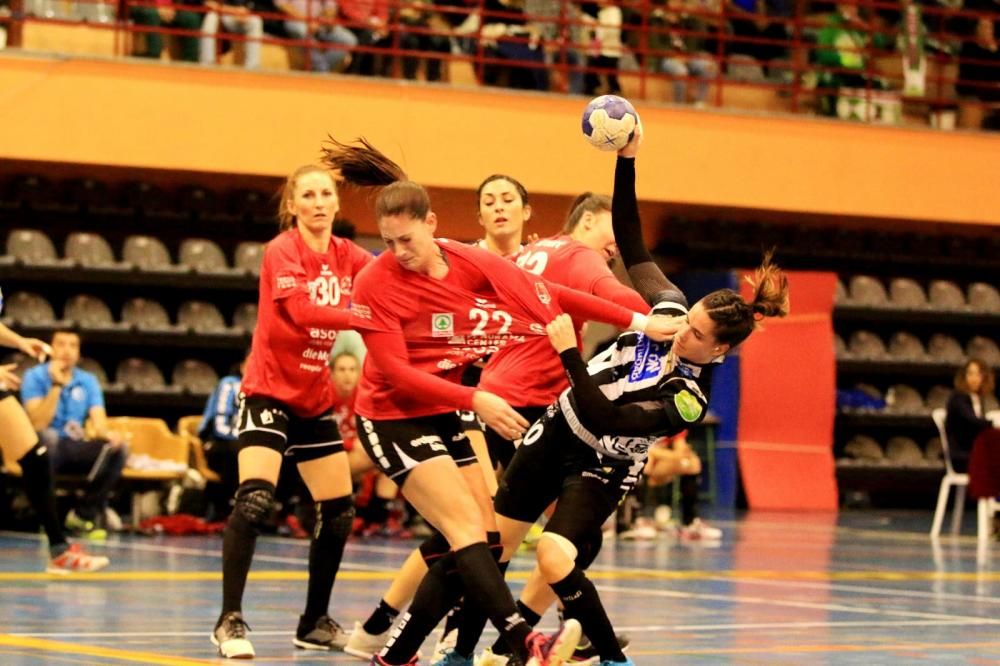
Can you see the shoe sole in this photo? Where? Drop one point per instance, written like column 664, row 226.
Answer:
column 565, row 643
column 245, row 655
column 306, row 645
column 360, row 654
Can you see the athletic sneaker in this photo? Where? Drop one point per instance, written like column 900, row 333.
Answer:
column 85, row 529
column 587, row 653
column 488, row 658
column 323, row 634
column 452, row 658
column 230, row 636
column 608, row 662
column 555, row 649
column 699, row 530
column 74, row 560
column 446, row 643
column 365, row 645
column 377, row 661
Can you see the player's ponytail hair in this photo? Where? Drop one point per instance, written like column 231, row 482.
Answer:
column 588, row 202
column 285, row 219
column 360, row 163
column 735, row 319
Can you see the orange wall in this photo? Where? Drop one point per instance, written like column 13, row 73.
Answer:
column 183, row 117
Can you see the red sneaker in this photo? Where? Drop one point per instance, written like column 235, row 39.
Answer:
column 74, row 560
column 555, row 649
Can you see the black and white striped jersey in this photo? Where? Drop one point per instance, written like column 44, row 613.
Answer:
column 638, row 370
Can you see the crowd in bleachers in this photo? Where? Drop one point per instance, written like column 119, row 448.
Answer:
column 852, row 59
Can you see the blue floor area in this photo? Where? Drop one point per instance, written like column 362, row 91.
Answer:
column 855, row 588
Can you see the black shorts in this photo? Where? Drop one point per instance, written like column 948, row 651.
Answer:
column 4, row 394
column 398, row 446
column 264, row 421
column 552, row 463
column 470, row 421
column 502, row 449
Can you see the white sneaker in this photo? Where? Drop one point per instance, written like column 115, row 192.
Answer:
column 699, row 530
column 231, row 637
column 641, row 530
column 445, row 644
column 487, row 658
column 362, row 644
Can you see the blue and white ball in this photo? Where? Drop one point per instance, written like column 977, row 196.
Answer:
column 609, row 121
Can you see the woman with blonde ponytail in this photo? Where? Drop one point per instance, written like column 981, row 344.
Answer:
column 287, row 403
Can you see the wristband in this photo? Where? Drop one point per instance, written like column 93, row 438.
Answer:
column 639, row 323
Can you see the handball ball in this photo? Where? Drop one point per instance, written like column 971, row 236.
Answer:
column 609, row 122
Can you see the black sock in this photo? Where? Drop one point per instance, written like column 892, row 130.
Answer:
column 485, row 587
column 530, row 616
column 381, row 618
column 240, row 538
column 468, row 618
column 689, row 499
column 581, row 601
column 334, row 518
column 378, row 509
column 36, row 468
column 438, row 592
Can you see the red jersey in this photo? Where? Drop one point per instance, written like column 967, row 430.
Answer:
column 304, row 296
column 531, row 374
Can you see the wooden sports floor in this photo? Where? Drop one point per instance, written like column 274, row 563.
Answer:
column 858, row 588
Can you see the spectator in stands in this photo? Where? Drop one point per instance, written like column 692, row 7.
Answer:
column 61, row 399
column 428, row 32
column 317, row 19
column 750, row 21
column 163, row 14
column 237, row 17
column 559, row 26
column 841, row 52
column 605, row 49
column 967, row 408
column 507, row 36
column 368, row 20
column 673, row 457
column 685, row 38
column 218, row 432
column 979, row 69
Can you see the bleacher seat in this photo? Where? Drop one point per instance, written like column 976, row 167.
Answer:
column 945, row 295
column 33, row 248
column 147, row 315
column 906, row 347
column 904, row 399
column 203, row 256
column 984, row 297
column 943, row 348
column 92, row 251
column 937, row 397
column 196, row 377
column 867, row 345
column 840, row 347
column 903, row 451
column 140, row 375
column 984, row 349
column 933, row 451
column 187, row 427
column 868, row 291
column 907, row 293
column 864, row 449
column 96, row 369
column 90, row 312
column 24, row 308
column 840, row 296
column 245, row 317
column 201, row 317
column 249, row 256
column 149, row 254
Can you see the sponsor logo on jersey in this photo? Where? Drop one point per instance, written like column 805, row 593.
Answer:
column 325, row 271
column 286, row 282
column 445, row 364
column 485, row 304
column 537, row 329
column 687, row 406
column 543, row 293
column 649, row 359
column 442, row 324
column 362, row 311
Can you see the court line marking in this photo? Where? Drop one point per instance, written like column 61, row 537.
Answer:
column 865, row 589
column 97, row 651
column 739, row 599
column 835, row 647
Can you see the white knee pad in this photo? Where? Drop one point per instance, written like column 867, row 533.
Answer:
column 564, row 544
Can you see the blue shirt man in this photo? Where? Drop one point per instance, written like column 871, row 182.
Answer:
column 77, row 398
column 218, row 421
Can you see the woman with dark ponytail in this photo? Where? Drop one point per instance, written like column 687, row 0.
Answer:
column 589, row 448
column 286, row 407
column 427, row 308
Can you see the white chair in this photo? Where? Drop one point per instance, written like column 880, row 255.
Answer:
column 985, row 507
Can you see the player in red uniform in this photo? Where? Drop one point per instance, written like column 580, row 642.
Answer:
column 287, row 407
column 427, row 308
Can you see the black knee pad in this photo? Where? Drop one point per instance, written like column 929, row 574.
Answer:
column 496, row 547
column 434, row 548
column 255, row 501
column 335, row 516
column 588, row 548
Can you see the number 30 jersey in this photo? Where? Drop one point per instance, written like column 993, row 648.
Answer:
column 288, row 362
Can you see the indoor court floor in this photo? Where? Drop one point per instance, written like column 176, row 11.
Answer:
column 858, row 588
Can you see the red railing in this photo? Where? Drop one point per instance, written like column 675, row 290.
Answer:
column 886, row 61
